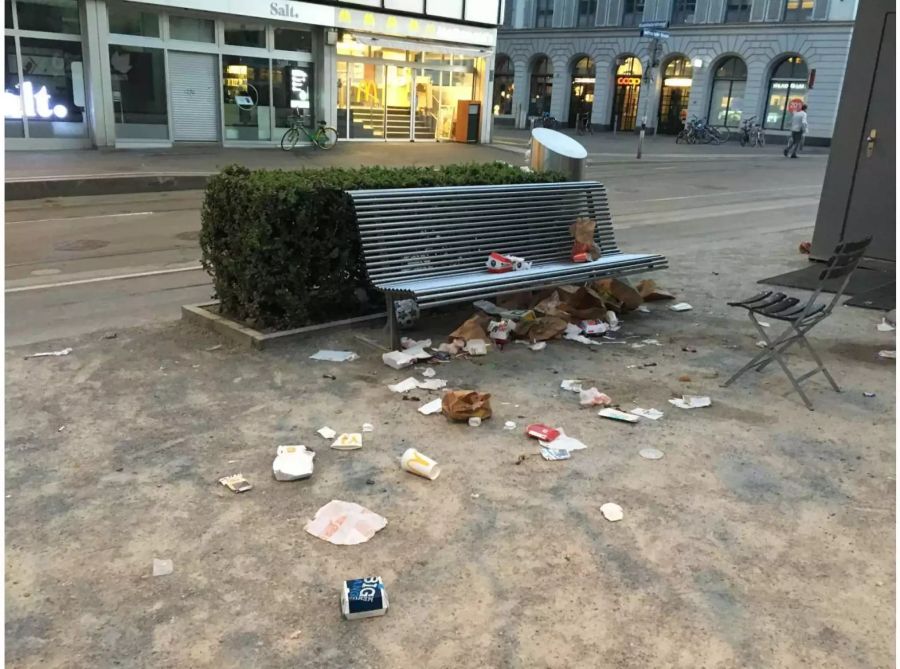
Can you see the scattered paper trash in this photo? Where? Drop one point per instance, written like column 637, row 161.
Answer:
column 162, row 567
column 408, row 343
column 536, row 346
column 684, row 378
column 651, row 342
column 652, row 414
column 761, row 344
column 764, row 324
column 681, row 306
column 293, row 463
column 405, row 385
column 691, row 402
column 615, row 414
column 595, row 327
column 345, row 523
column 349, row 441
column 688, row 349
column 464, row 404
column 565, row 442
column 236, row 483
column 888, row 354
column 868, row 394
column 216, row 347
column 612, row 512
column 474, row 421
column 593, row 397
column 543, row 432
column 476, row 347
column 334, row 356
column 651, row 453
column 573, row 385
column 644, row 309
column 398, row 359
column 50, row 354
column 805, row 247
column 419, row 464
column 554, row 453
column 433, row 406
column 509, row 425
column 327, row 432
column 431, row 384
column 368, row 427
column 884, row 326
column 429, row 372
column 363, row 598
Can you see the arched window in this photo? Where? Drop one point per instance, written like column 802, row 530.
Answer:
column 675, row 95
column 541, row 86
column 504, row 75
column 627, row 92
column 581, row 98
column 726, row 103
column 787, row 92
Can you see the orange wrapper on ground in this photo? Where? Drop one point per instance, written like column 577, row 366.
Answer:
column 345, row 523
column 466, row 404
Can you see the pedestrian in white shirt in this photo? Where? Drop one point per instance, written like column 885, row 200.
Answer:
column 798, row 129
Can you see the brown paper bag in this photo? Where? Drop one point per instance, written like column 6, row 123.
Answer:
column 649, row 291
column 626, row 297
column 474, row 328
column 541, row 329
column 584, row 248
column 464, row 404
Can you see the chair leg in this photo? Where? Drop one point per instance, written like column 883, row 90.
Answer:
column 761, row 359
column 794, row 382
column 821, row 365
column 393, row 329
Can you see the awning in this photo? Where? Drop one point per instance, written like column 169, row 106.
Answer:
column 415, row 45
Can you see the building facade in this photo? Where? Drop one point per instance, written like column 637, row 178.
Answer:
column 116, row 73
column 723, row 60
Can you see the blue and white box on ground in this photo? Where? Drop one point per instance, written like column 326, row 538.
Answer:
column 364, row 598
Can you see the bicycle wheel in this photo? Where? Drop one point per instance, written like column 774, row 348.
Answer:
column 760, row 138
column 326, row 137
column 723, row 134
column 289, row 139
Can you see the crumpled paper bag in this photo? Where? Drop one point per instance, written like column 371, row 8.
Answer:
column 541, row 329
column 622, row 295
column 464, row 404
column 650, row 292
column 345, row 523
column 584, row 248
column 473, row 328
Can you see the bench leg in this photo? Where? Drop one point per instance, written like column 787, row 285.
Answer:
column 393, row 330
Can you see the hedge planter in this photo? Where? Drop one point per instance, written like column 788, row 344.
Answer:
column 283, row 249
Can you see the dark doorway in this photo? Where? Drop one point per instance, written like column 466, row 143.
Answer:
column 581, row 101
column 675, row 95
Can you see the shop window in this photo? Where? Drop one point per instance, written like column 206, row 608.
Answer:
column 727, row 100
column 787, row 93
column 12, row 101
column 675, row 95
column 587, row 13
column 127, row 20
column 245, row 34
column 7, row 15
column 633, row 12
column 543, row 16
column 504, row 78
column 683, row 11
column 794, row 10
column 627, row 92
column 52, row 16
column 541, row 91
column 53, row 88
column 581, row 98
column 247, row 111
column 191, row 29
column 289, row 39
column 139, row 92
column 737, row 11
column 292, row 91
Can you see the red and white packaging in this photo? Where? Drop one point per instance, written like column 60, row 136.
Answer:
column 542, row 432
column 498, row 263
column 594, row 327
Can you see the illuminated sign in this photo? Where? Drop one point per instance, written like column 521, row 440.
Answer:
column 583, row 80
column 677, row 82
column 299, row 88
column 31, row 104
column 628, row 81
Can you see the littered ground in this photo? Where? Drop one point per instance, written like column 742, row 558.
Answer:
column 763, row 538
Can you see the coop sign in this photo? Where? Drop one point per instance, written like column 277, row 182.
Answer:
column 628, row 81
column 31, row 104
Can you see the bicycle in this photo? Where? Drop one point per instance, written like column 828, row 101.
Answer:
column 324, row 137
column 583, row 124
column 751, row 133
column 546, row 121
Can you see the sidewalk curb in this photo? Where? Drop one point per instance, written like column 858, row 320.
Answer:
column 36, row 189
column 201, row 316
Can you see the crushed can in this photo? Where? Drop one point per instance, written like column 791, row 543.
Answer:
column 364, row 598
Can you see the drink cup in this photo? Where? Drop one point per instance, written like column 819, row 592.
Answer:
column 419, row 464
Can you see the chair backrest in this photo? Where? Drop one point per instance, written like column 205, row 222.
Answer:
column 408, row 233
column 844, row 260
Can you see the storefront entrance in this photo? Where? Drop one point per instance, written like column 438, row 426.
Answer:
column 627, row 92
column 581, row 100
column 195, row 103
column 379, row 98
column 674, row 97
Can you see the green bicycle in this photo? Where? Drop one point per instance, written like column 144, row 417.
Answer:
column 324, row 137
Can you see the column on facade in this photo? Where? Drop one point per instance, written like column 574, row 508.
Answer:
column 521, row 80
column 561, row 84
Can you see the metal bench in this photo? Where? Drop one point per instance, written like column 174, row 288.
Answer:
column 431, row 244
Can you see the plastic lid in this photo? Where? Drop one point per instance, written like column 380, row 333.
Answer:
column 559, row 143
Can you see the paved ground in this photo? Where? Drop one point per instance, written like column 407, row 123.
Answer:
column 764, row 538
column 678, row 202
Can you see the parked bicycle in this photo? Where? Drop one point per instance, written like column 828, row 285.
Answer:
column 751, row 133
column 698, row 131
column 323, row 137
column 583, row 124
column 546, row 121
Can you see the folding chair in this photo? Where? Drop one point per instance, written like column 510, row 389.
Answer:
column 801, row 317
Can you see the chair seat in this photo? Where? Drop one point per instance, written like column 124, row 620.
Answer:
column 778, row 306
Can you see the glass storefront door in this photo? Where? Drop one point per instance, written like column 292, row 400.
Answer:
column 398, row 99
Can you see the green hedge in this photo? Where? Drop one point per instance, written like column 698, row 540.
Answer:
column 283, row 249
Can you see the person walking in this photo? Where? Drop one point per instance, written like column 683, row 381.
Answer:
column 798, row 129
